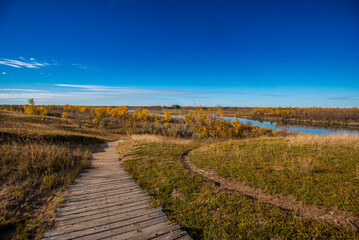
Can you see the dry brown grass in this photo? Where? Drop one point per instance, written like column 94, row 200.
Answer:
column 38, row 160
column 23, row 126
column 21, row 162
column 159, row 139
column 31, row 176
column 340, row 139
column 128, row 149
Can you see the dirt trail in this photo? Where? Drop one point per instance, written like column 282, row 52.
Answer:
column 337, row 217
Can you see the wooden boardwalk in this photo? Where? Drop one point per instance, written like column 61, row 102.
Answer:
column 105, row 203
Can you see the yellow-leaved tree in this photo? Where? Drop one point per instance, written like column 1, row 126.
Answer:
column 43, row 112
column 30, row 109
column 100, row 113
column 142, row 114
column 207, row 124
column 238, row 128
column 119, row 112
column 65, row 116
column 168, row 117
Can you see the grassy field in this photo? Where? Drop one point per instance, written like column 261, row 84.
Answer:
column 38, row 160
column 206, row 210
column 320, row 170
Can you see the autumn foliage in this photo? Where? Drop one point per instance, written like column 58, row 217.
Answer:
column 206, row 124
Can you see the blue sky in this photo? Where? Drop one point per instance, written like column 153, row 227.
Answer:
column 134, row 52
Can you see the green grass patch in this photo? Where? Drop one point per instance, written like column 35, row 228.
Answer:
column 207, row 211
column 317, row 170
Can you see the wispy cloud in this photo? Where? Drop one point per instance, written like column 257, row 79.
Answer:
column 82, row 66
column 27, row 95
column 241, row 93
column 339, row 98
column 87, row 92
column 197, row 97
column 3, row 73
column 122, row 90
column 23, row 63
column 352, row 98
column 274, row 95
column 20, row 90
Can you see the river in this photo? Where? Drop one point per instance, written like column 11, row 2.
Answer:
column 295, row 128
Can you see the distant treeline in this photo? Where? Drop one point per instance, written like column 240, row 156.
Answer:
column 314, row 113
column 197, row 123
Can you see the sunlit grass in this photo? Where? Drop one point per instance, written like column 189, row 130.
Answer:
column 321, row 170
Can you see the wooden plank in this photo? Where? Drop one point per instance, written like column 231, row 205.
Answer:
column 85, row 207
column 129, row 229
column 93, row 219
column 176, row 234
column 96, row 212
column 87, row 182
column 106, row 193
column 102, row 206
column 103, row 198
column 99, row 184
column 98, row 190
column 90, row 212
column 112, row 218
column 108, row 229
column 119, row 197
column 85, row 228
column 90, row 185
column 101, row 215
column 103, row 176
column 164, row 232
column 142, row 229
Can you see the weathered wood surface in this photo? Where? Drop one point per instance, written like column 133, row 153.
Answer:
column 105, row 203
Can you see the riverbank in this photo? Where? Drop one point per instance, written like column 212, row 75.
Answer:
column 275, row 123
